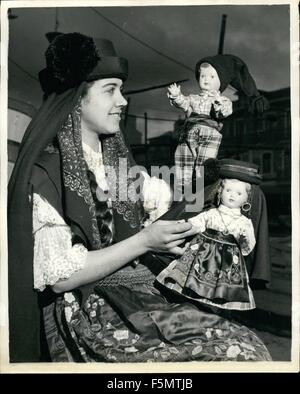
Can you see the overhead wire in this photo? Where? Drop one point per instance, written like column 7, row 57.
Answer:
column 22, row 69
column 141, row 41
column 131, row 36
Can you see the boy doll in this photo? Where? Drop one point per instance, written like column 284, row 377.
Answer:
column 200, row 138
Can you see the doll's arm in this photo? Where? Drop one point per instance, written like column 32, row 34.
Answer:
column 245, row 236
column 177, row 99
column 222, row 106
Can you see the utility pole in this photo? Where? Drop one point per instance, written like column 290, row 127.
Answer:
column 222, row 35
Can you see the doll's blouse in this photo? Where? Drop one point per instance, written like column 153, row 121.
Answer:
column 201, row 103
column 224, row 218
column 55, row 258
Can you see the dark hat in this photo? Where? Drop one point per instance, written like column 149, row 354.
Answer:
column 233, row 71
column 73, row 58
column 241, row 170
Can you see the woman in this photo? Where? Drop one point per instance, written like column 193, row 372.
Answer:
column 97, row 297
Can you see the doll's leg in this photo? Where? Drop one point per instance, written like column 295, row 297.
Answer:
column 209, row 141
column 184, row 164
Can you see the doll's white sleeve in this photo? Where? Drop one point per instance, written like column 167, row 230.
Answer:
column 55, row 258
column 200, row 221
column 246, row 236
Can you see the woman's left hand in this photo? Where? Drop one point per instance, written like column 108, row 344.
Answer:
column 166, row 236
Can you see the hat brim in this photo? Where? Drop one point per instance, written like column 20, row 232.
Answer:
column 110, row 67
column 241, row 176
column 107, row 67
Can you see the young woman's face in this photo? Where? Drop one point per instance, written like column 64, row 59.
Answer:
column 102, row 107
column 234, row 193
column 209, row 79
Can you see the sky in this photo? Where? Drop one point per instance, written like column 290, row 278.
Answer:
column 162, row 45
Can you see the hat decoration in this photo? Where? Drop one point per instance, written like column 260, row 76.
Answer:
column 233, row 71
column 232, row 169
column 241, row 170
column 73, row 58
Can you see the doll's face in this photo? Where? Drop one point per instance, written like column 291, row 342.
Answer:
column 234, row 193
column 208, row 78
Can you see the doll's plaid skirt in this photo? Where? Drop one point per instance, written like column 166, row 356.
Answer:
column 197, row 143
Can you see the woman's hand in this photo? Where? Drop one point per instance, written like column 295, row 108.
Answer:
column 166, row 236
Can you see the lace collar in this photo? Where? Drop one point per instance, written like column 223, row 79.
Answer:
column 229, row 211
column 92, row 157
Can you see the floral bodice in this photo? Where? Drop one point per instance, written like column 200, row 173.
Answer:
column 229, row 220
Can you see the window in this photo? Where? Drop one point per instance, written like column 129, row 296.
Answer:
column 240, row 127
column 267, row 162
column 259, row 124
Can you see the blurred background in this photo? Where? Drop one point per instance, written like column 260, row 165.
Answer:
column 162, row 45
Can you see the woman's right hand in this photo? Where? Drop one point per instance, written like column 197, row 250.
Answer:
column 166, row 236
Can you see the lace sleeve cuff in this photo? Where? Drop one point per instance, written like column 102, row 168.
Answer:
column 55, row 258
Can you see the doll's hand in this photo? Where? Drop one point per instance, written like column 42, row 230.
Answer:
column 222, row 106
column 242, row 237
column 218, row 101
column 174, row 90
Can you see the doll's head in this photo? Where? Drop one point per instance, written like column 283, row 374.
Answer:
column 231, row 70
column 208, row 77
column 234, row 193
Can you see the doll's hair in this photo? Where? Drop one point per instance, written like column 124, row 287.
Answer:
column 221, row 187
column 204, row 65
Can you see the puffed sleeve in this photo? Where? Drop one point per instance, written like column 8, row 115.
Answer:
column 55, row 258
column 157, row 196
column 200, row 221
column 245, row 236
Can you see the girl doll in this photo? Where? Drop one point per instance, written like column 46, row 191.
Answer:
column 201, row 137
column 212, row 270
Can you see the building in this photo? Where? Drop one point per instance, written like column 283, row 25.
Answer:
column 266, row 141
